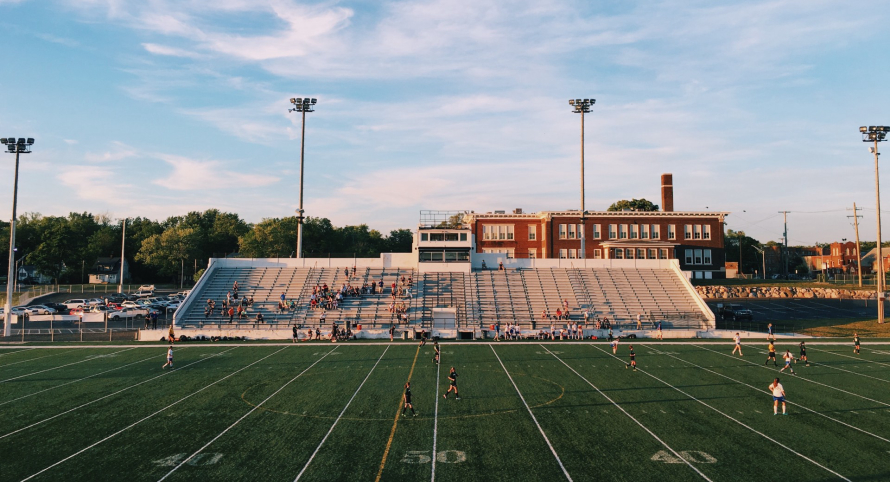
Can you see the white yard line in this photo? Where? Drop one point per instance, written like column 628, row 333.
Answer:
column 552, row 450
column 128, row 427
column 78, row 380
column 828, row 365
column 111, row 395
column 65, row 365
column 862, row 360
column 802, row 378
column 15, row 351
column 311, row 457
column 436, row 420
column 784, row 446
column 31, row 359
column 789, row 403
column 257, row 406
column 619, row 407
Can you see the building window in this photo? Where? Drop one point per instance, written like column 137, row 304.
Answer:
column 696, row 231
column 424, row 237
column 597, row 254
column 596, row 231
column 644, row 231
column 532, row 253
column 613, row 234
column 463, row 236
column 580, row 231
column 663, row 253
column 505, row 251
column 641, row 253
column 628, row 253
column 697, row 258
column 687, row 231
column 706, row 256
column 450, row 236
column 672, row 231
column 532, row 232
column 619, row 253
column 562, row 231
column 497, row 232
column 563, row 253
column 706, row 231
column 622, row 231
column 688, row 256
column 573, row 253
column 655, row 231
column 633, row 231
column 653, row 254
column 571, row 231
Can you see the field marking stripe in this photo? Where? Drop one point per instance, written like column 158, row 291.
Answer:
column 395, row 423
column 65, row 365
column 436, row 420
column 803, row 378
column 112, row 394
column 19, row 350
column 829, row 365
column 148, row 417
column 862, row 360
column 32, row 359
column 78, row 380
column 743, row 424
column 619, row 407
column 257, row 406
column 552, row 450
column 325, row 438
column 790, row 403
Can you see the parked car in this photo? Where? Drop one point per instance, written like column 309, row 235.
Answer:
column 16, row 310
column 735, row 312
column 60, row 308
column 126, row 313
column 41, row 310
column 130, row 304
column 75, row 303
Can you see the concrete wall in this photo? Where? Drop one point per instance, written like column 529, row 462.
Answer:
column 492, row 259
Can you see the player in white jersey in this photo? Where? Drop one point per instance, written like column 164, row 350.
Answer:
column 788, row 359
column 738, row 344
column 169, row 358
column 778, row 392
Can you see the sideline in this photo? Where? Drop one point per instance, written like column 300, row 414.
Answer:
column 861, row 360
column 339, row 416
column 436, row 419
column 113, row 394
column 564, row 471
column 784, row 446
column 619, row 407
column 128, row 427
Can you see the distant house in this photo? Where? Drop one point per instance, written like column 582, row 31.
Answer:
column 838, row 258
column 108, row 271
column 868, row 259
column 29, row 275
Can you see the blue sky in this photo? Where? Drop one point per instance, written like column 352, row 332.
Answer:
column 158, row 107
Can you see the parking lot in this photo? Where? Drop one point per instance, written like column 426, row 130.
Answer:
column 798, row 310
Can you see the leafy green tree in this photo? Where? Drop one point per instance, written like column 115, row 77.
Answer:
column 633, row 205
column 272, row 237
column 167, row 251
column 399, row 241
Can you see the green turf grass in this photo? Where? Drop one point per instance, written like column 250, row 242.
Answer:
column 260, row 412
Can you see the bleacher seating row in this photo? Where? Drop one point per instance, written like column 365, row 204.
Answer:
column 479, row 298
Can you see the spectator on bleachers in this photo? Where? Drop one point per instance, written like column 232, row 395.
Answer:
column 242, row 313
column 500, row 266
column 558, row 314
column 353, row 270
column 229, row 297
column 552, row 331
column 259, row 319
column 323, row 317
column 231, row 314
column 346, row 272
column 483, row 265
column 380, row 286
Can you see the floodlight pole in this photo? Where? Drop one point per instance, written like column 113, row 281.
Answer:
column 21, row 147
column 120, row 288
column 582, row 106
column 302, row 105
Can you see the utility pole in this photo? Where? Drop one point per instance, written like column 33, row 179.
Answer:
column 785, row 236
column 856, row 217
column 877, row 134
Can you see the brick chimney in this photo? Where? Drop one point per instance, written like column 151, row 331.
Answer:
column 667, row 192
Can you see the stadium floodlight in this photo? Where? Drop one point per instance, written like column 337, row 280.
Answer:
column 582, row 106
column 302, row 105
column 877, row 134
column 15, row 146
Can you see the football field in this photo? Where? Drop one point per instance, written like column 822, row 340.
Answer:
column 528, row 412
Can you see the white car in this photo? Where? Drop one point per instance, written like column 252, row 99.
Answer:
column 16, row 310
column 126, row 313
column 41, row 310
column 130, row 304
column 75, row 303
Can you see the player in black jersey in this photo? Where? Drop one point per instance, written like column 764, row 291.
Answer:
column 633, row 359
column 407, row 399
column 452, row 376
column 855, row 343
column 803, row 353
column 436, row 356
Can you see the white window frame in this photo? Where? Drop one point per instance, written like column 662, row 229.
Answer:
column 654, row 231
column 619, row 253
column 622, row 231
column 672, row 231
column 573, row 253
column 563, row 253
column 696, row 231
column 663, row 253
column 632, row 231
column 562, row 231
column 644, row 231
column 613, row 231
column 532, row 232
column 596, row 231
column 706, row 257
column 597, row 254
column 706, row 231
column 571, row 231
column 532, row 253
column 688, row 257
column 651, row 253
column 687, row 231
column 697, row 259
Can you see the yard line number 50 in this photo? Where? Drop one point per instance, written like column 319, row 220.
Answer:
column 443, row 457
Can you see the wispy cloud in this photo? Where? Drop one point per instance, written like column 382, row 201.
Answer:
column 170, row 51
column 119, row 151
column 201, row 175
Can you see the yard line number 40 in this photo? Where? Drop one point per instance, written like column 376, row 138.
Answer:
column 694, row 456
column 443, row 457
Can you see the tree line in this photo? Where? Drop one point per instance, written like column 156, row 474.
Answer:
column 65, row 248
